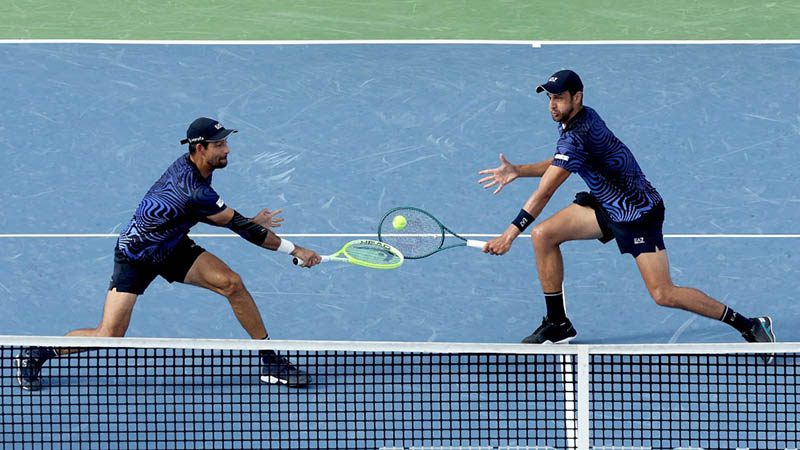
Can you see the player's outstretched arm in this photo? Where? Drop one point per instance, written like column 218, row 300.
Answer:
column 252, row 231
column 506, row 173
column 551, row 180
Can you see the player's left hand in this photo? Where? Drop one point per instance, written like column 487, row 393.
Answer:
column 267, row 219
column 499, row 245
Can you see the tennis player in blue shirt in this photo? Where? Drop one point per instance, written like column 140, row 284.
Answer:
column 156, row 243
column 621, row 205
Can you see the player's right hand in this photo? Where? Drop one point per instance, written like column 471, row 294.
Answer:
column 309, row 257
column 501, row 175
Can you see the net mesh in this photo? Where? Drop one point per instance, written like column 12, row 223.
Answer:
column 725, row 401
column 142, row 394
column 421, row 236
column 141, row 398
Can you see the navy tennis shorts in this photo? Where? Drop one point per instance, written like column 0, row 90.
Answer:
column 643, row 235
column 134, row 277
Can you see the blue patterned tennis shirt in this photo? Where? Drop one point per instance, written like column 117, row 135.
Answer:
column 588, row 148
column 180, row 199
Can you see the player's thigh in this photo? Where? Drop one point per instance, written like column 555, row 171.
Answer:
column 654, row 267
column 210, row 272
column 575, row 222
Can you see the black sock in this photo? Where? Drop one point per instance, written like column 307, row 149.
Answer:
column 556, row 310
column 736, row 320
column 266, row 353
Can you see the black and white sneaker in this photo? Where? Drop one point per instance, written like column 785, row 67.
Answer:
column 552, row 333
column 761, row 331
column 277, row 369
column 28, row 364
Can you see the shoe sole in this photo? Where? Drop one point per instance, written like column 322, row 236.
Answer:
column 563, row 341
column 273, row 380
column 269, row 379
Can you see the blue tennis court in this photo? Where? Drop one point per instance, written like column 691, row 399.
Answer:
column 335, row 135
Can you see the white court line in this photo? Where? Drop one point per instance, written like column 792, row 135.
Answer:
column 532, row 43
column 372, row 236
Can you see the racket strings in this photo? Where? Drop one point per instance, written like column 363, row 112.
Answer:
column 372, row 254
column 421, row 236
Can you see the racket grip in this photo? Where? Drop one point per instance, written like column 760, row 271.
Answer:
column 299, row 262
column 475, row 243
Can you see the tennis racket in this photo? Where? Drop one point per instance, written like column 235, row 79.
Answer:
column 364, row 252
column 422, row 236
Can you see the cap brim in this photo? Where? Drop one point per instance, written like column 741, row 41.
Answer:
column 550, row 88
column 221, row 135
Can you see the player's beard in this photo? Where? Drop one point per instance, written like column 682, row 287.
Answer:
column 220, row 162
column 559, row 116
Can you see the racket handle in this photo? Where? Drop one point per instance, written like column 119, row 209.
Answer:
column 299, row 262
column 475, row 243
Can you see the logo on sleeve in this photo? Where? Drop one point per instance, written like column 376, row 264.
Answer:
column 638, row 240
column 220, row 203
column 562, row 157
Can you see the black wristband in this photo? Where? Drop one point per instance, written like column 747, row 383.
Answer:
column 523, row 220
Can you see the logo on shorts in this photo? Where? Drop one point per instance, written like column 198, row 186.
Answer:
column 220, row 203
column 639, row 240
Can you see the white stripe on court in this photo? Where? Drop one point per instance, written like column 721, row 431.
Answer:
column 532, row 43
column 373, row 236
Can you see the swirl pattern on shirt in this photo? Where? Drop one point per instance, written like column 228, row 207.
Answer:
column 587, row 147
column 174, row 204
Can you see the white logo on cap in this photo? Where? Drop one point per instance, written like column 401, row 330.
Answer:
column 552, row 79
column 218, row 126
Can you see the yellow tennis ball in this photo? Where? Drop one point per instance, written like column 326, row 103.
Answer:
column 399, row 222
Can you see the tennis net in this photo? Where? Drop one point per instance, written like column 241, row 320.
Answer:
column 187, row 394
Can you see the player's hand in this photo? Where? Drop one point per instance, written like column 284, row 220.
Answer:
column 500, row 176
column 267, row 219
column 499, row 245
column 309, row 257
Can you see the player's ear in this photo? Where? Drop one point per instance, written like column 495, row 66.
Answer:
column 578, row 97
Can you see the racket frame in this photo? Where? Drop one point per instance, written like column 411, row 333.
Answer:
column 343, row 257
column 443, row 233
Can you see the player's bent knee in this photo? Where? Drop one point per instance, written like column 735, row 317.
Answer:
column 542, row 235
column 538, row 234
column 230, row 284
column 663, row 296
column 111, row 331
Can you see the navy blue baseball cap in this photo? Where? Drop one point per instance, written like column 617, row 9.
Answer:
column 561, row 81
column 204, row 129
